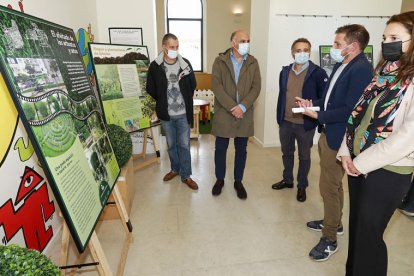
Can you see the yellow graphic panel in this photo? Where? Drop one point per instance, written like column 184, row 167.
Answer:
column 8, row 120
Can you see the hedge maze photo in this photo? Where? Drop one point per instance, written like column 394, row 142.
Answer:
column 57, row 136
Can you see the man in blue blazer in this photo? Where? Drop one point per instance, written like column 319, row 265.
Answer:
column 304, row 79
column 350, row 75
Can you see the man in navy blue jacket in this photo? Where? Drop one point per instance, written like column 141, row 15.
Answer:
column 350, row 75
column 300, row 79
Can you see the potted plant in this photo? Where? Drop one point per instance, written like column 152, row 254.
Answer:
column 16, row 260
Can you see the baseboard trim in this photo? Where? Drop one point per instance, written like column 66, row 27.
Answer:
column 260, row 143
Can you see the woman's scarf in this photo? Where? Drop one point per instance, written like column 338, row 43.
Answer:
column 390, row 95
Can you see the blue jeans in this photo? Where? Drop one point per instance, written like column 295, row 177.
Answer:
column 240, row 144
column 177, row 131
column 288, row 133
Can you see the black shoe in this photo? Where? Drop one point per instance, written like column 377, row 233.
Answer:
column 402, row 204
column 408, row 209
column 281, row 185
column 217, row 187
column 317, row 225
column 323, row 250
column 241, row 191
column 301, row 196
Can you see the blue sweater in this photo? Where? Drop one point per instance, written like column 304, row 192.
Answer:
column 345, row 93
column 313, row 87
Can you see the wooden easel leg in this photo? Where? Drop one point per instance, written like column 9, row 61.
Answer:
column 144, row 146
column 99, row 256
column 154, row 142
column 126, row 222
column 124, row 255
column 120, row 205
column 64, row 247
column 95, row 247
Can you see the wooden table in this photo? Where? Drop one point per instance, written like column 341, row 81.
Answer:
column 198, row 104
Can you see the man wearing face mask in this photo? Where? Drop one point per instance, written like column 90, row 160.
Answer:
column 300, row 79
column 236, row 84
column 350, row 75
column 171, row 82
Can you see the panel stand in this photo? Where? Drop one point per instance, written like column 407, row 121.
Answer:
column 143, row 154
column 95, row 247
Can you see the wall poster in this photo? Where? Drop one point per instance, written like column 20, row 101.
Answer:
column 126, row 36
column 327, row 63
column 121, row 77
column 45, row 76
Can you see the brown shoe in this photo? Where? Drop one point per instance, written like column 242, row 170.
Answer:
column 170, row 176
column 190, row 183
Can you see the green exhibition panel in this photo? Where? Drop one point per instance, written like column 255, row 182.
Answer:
column 45, row 75
column 121, row 78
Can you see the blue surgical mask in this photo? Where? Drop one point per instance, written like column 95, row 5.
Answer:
column 301, row 58
column 336, row 54
column 172, row 54
column 243, row 48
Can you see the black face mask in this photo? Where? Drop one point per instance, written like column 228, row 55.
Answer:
column 392, row 51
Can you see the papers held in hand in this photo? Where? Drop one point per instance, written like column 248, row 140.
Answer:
column 301, row 109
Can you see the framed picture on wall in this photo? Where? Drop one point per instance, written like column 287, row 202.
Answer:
column 327, row 63
column 126, row 36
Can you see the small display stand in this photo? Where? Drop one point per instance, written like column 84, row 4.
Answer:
column 143, row 154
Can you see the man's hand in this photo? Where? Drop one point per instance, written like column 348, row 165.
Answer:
column 349, row 166
column 237, row 112
column 303, row 102
column 306, row 103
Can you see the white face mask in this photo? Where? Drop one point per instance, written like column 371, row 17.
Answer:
column 301, row 58
column 243, row 48
column 336, row 54
column 172, row 54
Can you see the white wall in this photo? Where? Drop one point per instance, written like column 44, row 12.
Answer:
column 74, row 14
column 259, row 49
column 282, row 30
column 127, row 13
column 220, row 23
column 336, row 7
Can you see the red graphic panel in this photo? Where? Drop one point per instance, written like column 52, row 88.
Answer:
column 32, row 215
column 29, row 181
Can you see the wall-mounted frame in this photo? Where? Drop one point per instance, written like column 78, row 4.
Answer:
column 327, row 63
column 126, row 36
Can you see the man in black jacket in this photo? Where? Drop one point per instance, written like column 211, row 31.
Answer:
column 171, row 82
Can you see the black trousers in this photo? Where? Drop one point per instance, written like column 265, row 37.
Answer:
column 373, row 200
column 288, row 134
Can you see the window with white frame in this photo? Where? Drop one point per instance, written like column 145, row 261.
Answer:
column 185, row 20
